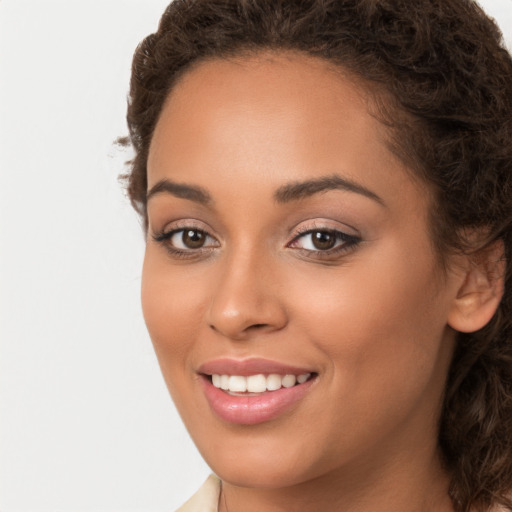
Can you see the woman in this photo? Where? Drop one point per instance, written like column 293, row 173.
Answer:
column 326, row 189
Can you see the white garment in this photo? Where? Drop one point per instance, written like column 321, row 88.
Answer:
column 206, row 499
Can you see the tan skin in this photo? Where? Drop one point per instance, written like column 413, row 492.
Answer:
column 373, row 315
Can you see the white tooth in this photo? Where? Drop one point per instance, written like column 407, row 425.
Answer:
column 274, row 382
column 303, row 378
column 216, row 380
column 289, row 381
column 256, row 383
column 237, row 384
column 224, row 382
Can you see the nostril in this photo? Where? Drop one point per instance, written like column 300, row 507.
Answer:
column 256, row 327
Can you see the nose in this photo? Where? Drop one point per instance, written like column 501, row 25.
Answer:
column 246, row 301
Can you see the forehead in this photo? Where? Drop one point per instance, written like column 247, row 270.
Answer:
column 289, row 98
column 253, row 123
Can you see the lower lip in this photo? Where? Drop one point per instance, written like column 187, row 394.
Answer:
column 250, row 410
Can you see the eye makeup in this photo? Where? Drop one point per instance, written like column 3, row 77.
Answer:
column 317, row 241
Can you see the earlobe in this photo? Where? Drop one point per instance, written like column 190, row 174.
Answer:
column 481, row 290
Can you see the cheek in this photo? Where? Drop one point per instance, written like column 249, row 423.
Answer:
column 172, row 307
column 380, row 324
column 377, row 293
column 381, row 332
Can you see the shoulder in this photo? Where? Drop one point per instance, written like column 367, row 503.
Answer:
column 206, row 499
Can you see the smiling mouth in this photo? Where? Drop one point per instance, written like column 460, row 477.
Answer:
column 255, row 385
column 255, row 396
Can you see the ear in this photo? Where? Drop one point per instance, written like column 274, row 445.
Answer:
column 481, row 290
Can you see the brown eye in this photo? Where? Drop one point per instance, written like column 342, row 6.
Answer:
column 323, row 240
column 187, row 240
column 193, row 238
column 326, row 241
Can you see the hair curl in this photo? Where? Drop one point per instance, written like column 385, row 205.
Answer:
column 445, row 67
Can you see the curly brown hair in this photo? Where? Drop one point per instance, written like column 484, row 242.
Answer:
column 446, row 83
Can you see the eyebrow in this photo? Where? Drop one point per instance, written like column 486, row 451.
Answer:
column 284, row 194
column 190, row 192
column 303, row 189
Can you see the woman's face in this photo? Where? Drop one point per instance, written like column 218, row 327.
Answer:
column 285, row 238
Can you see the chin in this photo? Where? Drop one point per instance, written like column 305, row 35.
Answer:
column 270, row 475
column 258, row 461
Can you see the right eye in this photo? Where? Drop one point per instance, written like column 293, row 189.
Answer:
column 186, row 239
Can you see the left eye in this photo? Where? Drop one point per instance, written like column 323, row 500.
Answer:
column 323, row 240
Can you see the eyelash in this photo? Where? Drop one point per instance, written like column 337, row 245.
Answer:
column 350, row 242
column 164, row 238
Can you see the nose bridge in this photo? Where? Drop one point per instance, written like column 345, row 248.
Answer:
column 246, row 297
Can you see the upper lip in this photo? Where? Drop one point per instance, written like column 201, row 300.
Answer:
column 246, row 367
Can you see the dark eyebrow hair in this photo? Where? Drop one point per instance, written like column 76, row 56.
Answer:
column 190, row 192
column 302, row 189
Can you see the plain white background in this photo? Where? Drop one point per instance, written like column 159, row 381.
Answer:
column 86, row 422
